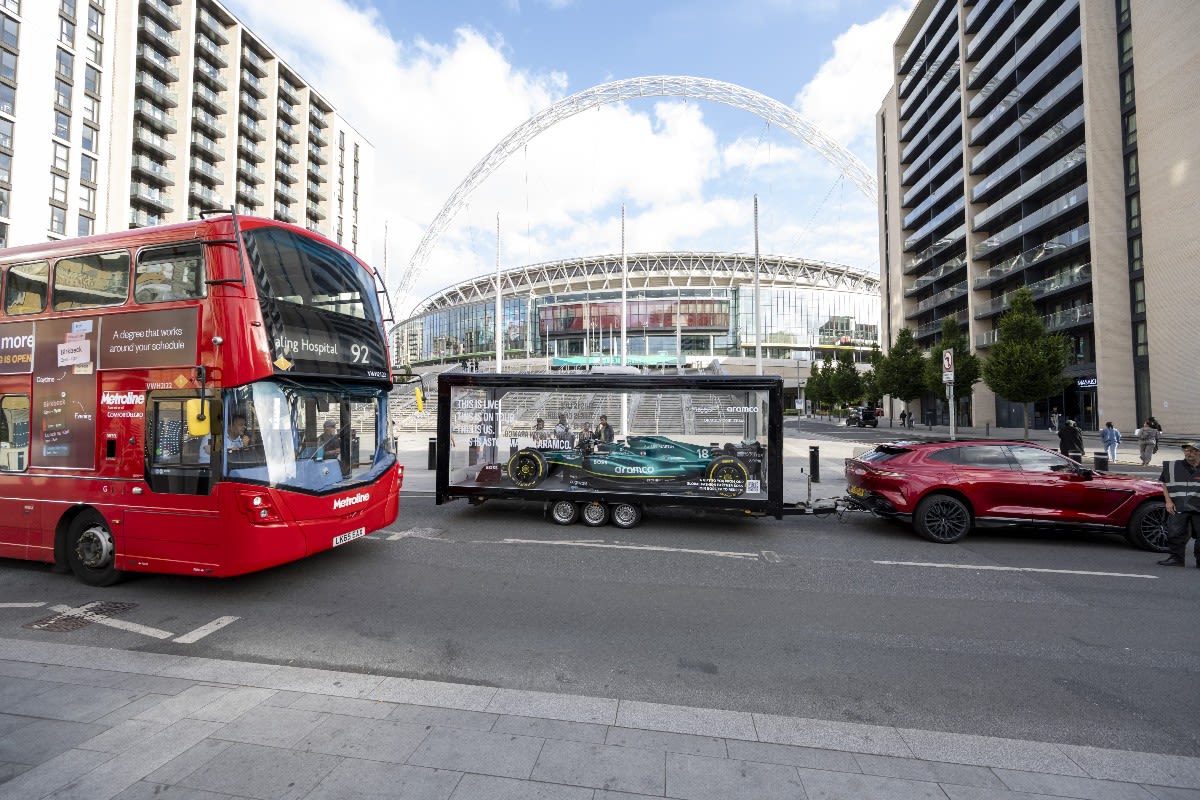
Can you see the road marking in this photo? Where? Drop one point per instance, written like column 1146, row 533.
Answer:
column 653, row 548
column 83, row 612
column 1015, row 569
column 771, row 556
column 205, row 630
column 21, row 605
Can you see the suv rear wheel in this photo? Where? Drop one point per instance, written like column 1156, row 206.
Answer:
column 942, row 518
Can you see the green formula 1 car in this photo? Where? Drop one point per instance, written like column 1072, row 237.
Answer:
column 640, row 461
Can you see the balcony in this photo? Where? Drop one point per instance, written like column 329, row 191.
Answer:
column 212, row 26
column 287, row 132
column 208, row 97
column 315, row 192
column 252, row 107
column 1034, row 255
column 1058, row 321
column 163, row 13
column 153, row 61
column 945, row 296
column 289, row 93
column 1030, row 186
column 153, row 116
column 211, row 50
column 152, row 87
column 935, row 327
column 1076, row 199
column 284, row 214
column 211, row 75
column 205, row 195
column 207, row 146
column 151, row 196
column 252, row 84
column 317, row 136
column 146, row 167
column 250, row 172
column 284, row 193
column 144, row 219
column 287, row 153
column 288, row 112
column 153, row 142
column 209, row 123
column 247, row 194
column 206, row 171
column 316, row 154
column 315, row 212
column 252, row 129
column 1067, row 279
column 285, row 173
column 942, row 271
column 151, row 31
column 254, row 62
column 318, row 117
column 248, row 149
column 314, row 172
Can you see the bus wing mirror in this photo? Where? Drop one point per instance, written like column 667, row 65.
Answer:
column 197, row 418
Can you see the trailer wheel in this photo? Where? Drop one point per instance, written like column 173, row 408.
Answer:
column 527, row 468
column 729, row 474
column 626, row 515
column 564, row 512
column 593, row 514
column 91, row 551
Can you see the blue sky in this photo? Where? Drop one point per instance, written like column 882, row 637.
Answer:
column 435, row 86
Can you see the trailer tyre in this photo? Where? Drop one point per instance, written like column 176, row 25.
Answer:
column 564, row 512
column 729, row 475
column 527, row 468
column 91, row 551
column 593, row 514
column 626, row 515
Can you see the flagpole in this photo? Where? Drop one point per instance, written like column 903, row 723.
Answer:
column 499, row 304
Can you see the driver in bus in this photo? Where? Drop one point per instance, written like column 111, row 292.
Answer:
column 330, row 444
column 235, row 435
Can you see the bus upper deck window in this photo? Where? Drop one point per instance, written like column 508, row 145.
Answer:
column 169, row 273
column 25, row 292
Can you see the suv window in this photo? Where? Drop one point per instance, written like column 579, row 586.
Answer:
column 985, row 456
column 1035, row 459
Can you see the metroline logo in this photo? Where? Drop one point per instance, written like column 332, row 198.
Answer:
column 342, row 502
column 122, row 399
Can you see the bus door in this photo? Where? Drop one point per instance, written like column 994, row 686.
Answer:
column 17, row 510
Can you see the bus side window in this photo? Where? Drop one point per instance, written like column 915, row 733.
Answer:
column 14, row 433
column 169, row 273
column 91, row 281
column 25, row 292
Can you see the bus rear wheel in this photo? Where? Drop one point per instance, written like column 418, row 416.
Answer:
column 91, row 551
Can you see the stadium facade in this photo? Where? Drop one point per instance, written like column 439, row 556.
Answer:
column 683, row 309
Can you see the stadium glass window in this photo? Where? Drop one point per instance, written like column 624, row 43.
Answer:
column 25, row 288
column 58, row 220
column 91, row 281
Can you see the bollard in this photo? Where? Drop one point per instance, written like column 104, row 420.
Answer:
column 432, row 453
column 987, row 430
column 1075, row 455
column 1100, row 462
column 814, row 463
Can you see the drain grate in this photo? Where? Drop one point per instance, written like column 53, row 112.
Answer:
column 75, row 618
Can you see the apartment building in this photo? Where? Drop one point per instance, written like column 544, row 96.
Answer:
column 126, row 113
column 1050, row 144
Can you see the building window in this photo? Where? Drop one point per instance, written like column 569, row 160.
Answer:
column 62, row 93
column 5, row 168
column 6, row 134
column 58, row 220
column 1126, row 46
column 1135, row 213
column 65, row 63
column 1127, row 87
column 3, row 202
column 87, row 169
column 87, row 225
column 67, row 7
column 12, row 5
column 1135, row 254
column 1139, row 297
column 9, row 30
column 62, row 125
column 1131, row 170
column 91, row 138
column 95, row 49
column 91, row 80
column 1130, row 129
column 3, row 234
column 95, row 21
column 8, row 98
column 58, row 188
column 8, row 65
column 66, row 31
column 91, row 109
column 1139, row 339
column 60, row 157
column 87, row 198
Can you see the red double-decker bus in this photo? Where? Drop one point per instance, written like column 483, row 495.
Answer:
column 208, row 398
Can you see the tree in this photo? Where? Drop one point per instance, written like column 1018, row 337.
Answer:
column 820, row 385
column 1026, row 363
column 901, row 373
column 968, row 370
column 847, row 382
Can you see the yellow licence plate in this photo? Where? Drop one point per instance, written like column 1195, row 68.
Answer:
column 858, row 491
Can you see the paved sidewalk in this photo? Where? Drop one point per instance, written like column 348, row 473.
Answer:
column 92, row 723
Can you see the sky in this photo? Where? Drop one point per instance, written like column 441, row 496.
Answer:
column 435, row 86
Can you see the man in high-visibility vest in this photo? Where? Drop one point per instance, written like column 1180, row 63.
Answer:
column 1181, row 492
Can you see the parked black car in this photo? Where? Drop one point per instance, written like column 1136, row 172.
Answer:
column 862, row 416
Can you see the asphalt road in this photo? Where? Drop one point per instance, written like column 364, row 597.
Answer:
column 1055, row 637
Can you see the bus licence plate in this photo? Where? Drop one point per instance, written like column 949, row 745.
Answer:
column 349, row 537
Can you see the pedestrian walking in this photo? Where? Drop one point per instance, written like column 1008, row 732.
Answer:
column 1110, row 437
column 903, row 419
column 1181, row 494
column 1054, row 417
column 1147, row 442
column 1152, row 422
column 1070, row 440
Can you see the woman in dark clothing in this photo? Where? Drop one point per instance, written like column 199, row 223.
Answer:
column 1070, row 440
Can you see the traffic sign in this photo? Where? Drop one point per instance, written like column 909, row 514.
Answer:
column 948, row 361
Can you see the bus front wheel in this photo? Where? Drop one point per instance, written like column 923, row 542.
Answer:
column 91, row 551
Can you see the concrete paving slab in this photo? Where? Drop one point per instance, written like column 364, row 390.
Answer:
column 369, row 780
column 236, row 702
column 323, row 681
column 1070, row 786
column 827, row 734
column 371, row 739
column 264, row 773
column 684, row 719
column 598, row 766
column 270, row 726
column 990, row 751
column 429, row 693
column 914, row 769
column 824, row 785
column 792, row 755
column 1152, row 768
column 120, row 738
column 685, row 743
column 697, row 778
column 188, row 762
column 347, row 706
column 74, row 703
column 551, row 729
column 571, row 708
column 484, row 787
column 59, row 771
column 184, row 704
column 43, row 739
column 444, row 717
column 504, row 755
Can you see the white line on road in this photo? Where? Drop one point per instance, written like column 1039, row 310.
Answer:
column 1015, row 569
column 606, row 546
column 85, row 613
column 771, row 556
column 21, row 605
column 205, row 630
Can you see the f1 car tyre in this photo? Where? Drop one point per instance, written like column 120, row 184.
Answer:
column 1147, row 527
column 942, row 518
column 527, row 468
column 564, row 512
column 91, row 551
column 626, row 515
column 593, row 514
column 729, row 475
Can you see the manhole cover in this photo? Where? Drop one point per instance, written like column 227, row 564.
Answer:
column 75, row 618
